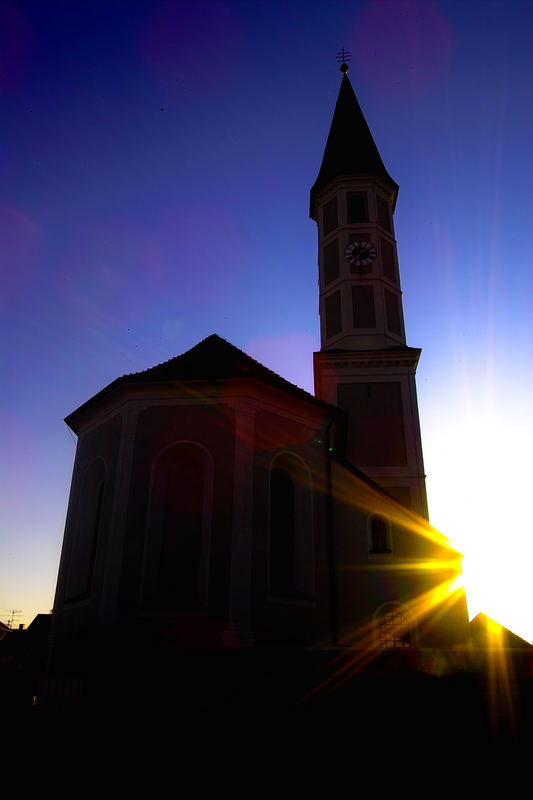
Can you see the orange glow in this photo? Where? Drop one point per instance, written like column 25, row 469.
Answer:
column 364, row 643
column 501, row 686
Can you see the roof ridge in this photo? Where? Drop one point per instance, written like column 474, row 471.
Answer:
column 173, row 358
column 212, row 359
column 230, row 347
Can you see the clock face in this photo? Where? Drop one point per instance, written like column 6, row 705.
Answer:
column 360, row 254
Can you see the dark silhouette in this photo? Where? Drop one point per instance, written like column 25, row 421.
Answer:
column 235, row 544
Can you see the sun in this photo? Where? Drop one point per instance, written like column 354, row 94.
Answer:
column 481, row 504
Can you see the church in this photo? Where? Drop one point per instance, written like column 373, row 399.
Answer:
column 221, row 518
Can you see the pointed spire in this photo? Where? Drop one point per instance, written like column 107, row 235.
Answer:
column 350, row 149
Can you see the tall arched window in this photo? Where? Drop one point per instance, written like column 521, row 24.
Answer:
column 178, row 530
column 282, row 555
column 88, row 522
column 291, row 546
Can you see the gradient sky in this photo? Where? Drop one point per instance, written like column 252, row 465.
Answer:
column 156, row 161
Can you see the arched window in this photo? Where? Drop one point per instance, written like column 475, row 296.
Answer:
column 379, row 536
column 282, row 534
column 88, row 522
column 178, row 530
column 393, row 628
column 291, row 547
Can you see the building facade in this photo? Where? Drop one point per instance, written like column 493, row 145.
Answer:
column 217, row 508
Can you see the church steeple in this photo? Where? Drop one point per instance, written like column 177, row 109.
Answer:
column 350, row 148
column 365, row 366
column 352, row 202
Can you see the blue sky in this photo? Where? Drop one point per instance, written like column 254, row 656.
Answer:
column 156, row 161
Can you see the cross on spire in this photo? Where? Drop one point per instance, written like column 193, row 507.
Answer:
column 343, row 56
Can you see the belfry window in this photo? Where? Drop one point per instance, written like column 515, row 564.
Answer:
column 331, row 262
column 392, row 309
column 357, row 207
column 331, row 220
column 387, row 259
column 383, row 214
column 364, row 312
column 333, row 314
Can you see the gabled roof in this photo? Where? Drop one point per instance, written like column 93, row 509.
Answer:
column 350, row 149
column 212, row 359
column 486, row 632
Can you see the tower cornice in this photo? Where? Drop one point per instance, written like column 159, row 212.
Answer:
column 349, row 180
column 388, row 357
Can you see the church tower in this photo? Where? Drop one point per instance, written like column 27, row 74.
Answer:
column 365, row 366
